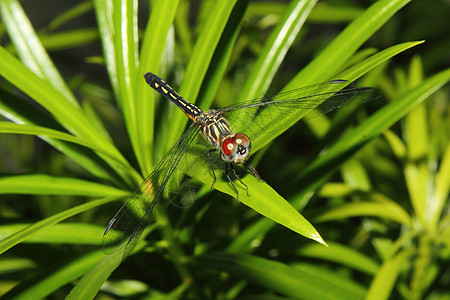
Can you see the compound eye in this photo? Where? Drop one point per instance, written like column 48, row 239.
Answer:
column 229, row 146
column 243, row 140
column 243, row 147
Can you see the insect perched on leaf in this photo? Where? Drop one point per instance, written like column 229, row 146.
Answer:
column 216, row 125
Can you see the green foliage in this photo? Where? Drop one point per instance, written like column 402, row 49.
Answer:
column 374, row 182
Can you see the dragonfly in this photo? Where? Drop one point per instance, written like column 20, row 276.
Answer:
column 215, row 125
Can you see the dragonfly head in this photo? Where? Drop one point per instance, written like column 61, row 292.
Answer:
column 235, row 148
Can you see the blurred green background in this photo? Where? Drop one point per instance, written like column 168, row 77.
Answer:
column 80, row 130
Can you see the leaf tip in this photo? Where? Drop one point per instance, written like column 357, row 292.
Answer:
column 319, row 239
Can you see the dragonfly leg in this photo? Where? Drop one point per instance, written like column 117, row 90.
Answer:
column 237, row 177
column 231, row 181
column 212, row 168
column 253, row 171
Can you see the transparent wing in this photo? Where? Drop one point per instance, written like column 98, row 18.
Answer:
column 310, row 101
column 336, row 93
column 127, row 225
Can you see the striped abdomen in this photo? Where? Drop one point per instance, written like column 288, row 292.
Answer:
column 164, row 89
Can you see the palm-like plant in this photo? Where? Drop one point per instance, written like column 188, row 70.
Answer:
column 402, row 233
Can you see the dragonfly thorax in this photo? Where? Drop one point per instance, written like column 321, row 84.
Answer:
column 214, row 127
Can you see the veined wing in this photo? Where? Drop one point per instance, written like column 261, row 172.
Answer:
column 270, row 114
column 127, row 225
column 325, row 96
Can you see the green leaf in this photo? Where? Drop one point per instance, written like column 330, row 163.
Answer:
column 262, row 198
column 63, row 233
column 442, row 181
column 69, row 39
column 377, row 123
column 92, row 281
column 261, row 9
column 351, row 74
column 275, row 49
column 12, row 264
column 222, row 55
column 198, row 63
column 48, row 185
column 31, row 50
column 71, row 14
column 7, row 127
column 22, row 112
column 262, row 226
column 42, row 92
column 322, row 167
column 345, row 45
column 125, row 47
column 345, row 282
column 334, row 14
column 54, row 277
column 276, row 276
column 265, row 203
column 321, row 125
column 342, row 255
column 375, row 60
column 354, row 173
column 153, row 45
column 388, row 210
column 104, row 11
column 384, row 281
column 417, row 173
column 18, row 237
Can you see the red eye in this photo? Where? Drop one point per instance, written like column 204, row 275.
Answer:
column 228, row 146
